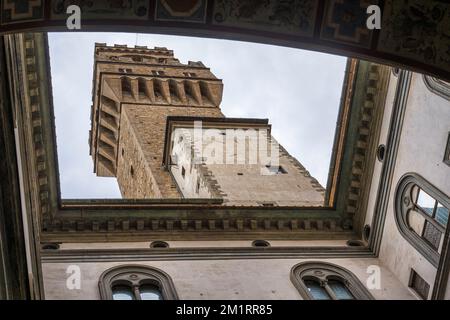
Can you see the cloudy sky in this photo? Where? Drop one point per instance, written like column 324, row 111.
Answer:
column 298, row 91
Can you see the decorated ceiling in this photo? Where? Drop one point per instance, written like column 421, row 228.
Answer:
column 413, row 33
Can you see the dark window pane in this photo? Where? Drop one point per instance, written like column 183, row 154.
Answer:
column 317, row 291
column 340, row 290
column 150, row 292
column 442, row 214
column 419, row 285
column 122, row 293
column 271, row 170
column 432, row 235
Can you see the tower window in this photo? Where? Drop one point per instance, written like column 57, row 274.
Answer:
column 173, row 89
column 132, row 171
column 126, row 86
column 157, row 89
column 142, row 87
column 275, row 169
column 158, row 72
column 183, row 172
column 190, row 74
column 125, row 70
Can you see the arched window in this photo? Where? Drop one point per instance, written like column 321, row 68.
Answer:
column 133, row 282
column 438, row 86
column 421, row 214
column 326, row 281
column 126, row 85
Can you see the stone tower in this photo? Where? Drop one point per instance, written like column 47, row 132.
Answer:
column 146, row 106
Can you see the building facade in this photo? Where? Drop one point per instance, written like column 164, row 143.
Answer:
column 381, row 233
column 145, row 106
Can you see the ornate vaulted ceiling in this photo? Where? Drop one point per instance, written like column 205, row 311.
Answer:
column 414, row 33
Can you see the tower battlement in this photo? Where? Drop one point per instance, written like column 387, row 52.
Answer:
column 142, row 76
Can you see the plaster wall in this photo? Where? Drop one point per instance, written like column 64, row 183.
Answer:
column 260, row 279
column 421, row 150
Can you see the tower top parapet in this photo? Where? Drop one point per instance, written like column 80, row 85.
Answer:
column 139, row 75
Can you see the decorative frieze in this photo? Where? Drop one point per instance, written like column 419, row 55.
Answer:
column 237, row 225
column 372, row 107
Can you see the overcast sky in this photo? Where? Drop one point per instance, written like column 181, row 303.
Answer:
column 297, row 90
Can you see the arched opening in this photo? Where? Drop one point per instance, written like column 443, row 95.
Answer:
column 136, row 282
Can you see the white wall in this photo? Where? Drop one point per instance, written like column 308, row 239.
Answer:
column 259, row 279
column 421, row 150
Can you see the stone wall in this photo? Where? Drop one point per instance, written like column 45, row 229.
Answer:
column 148, row 124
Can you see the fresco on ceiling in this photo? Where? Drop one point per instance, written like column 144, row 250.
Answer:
column 21, row 11
column 103, row 9
column 280, row 16
column 186, row 10
column 345, row 21
column 411, row 31
column 417, row 30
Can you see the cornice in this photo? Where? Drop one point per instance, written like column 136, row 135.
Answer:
column 369, row 126
column 170, row 254
column 33, row 92
column 172, row 228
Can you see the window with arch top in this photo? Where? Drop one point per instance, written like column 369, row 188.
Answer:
column 421, row 215
column 437, row 86
column 326, row 281
column 136, row 282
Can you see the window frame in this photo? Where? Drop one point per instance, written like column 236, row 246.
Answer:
column 447, row 151
column 135, row 276
column 322, row 272
column 414, row 279
column 437, row 86
column 404, row 203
